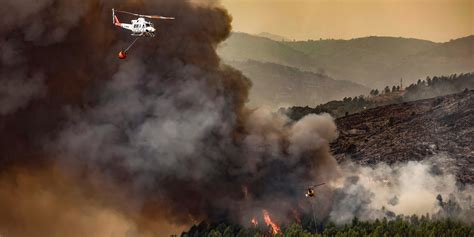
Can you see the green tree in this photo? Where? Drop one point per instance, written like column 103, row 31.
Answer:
column 214, row 233
column 228, row 232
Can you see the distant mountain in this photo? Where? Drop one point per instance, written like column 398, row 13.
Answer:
column 273, row 36
column 276, row 86
column 371, row 61
column 242, row 47
column 364, row 60
column 451, row 57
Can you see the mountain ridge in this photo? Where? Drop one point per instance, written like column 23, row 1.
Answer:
column 275, row 85
column 371, row 61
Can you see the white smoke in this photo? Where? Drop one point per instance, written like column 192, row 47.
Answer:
column 400, row 189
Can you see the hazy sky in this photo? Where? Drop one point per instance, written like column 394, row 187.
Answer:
column 436, row 20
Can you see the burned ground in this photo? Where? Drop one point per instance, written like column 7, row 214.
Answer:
column 411, row 131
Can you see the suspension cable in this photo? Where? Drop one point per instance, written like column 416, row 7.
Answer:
column 131, row 44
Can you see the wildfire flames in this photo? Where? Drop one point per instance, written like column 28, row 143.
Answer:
column 254, row 221
column 269, row 222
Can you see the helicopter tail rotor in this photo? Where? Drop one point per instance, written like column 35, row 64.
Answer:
column 115, row 20
column 113, row 16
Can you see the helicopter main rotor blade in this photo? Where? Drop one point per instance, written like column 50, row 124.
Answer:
column 317, row 185
column 160, row 17
column 147, row 16
column 130, row 13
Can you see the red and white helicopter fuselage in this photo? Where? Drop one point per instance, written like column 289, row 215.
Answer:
column 139, row 26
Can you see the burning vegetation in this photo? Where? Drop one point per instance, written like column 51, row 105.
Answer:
column 268, row 220
column 401, row 226
column 135, row 139
column 162, row 140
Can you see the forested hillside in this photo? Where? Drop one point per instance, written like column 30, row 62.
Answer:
column 370, row 61
column 410, row 226
column 422, row 89
column 275, row 85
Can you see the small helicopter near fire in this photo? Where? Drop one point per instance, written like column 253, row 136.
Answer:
column 310, row 192
column 139, row 27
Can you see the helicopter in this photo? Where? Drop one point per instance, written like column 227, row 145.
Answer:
column 139, row 27
column 310, row 192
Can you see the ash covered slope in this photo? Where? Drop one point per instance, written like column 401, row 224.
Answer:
column 412, row 131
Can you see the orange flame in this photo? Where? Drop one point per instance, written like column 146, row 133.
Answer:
column 254, row 221
column 268, row 221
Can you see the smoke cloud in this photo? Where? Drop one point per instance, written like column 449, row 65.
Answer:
column 408, row 188
column 100, row 147
column 162, row 138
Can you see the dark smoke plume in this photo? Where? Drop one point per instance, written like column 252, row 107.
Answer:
column 163, row 137
column 94, row 146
